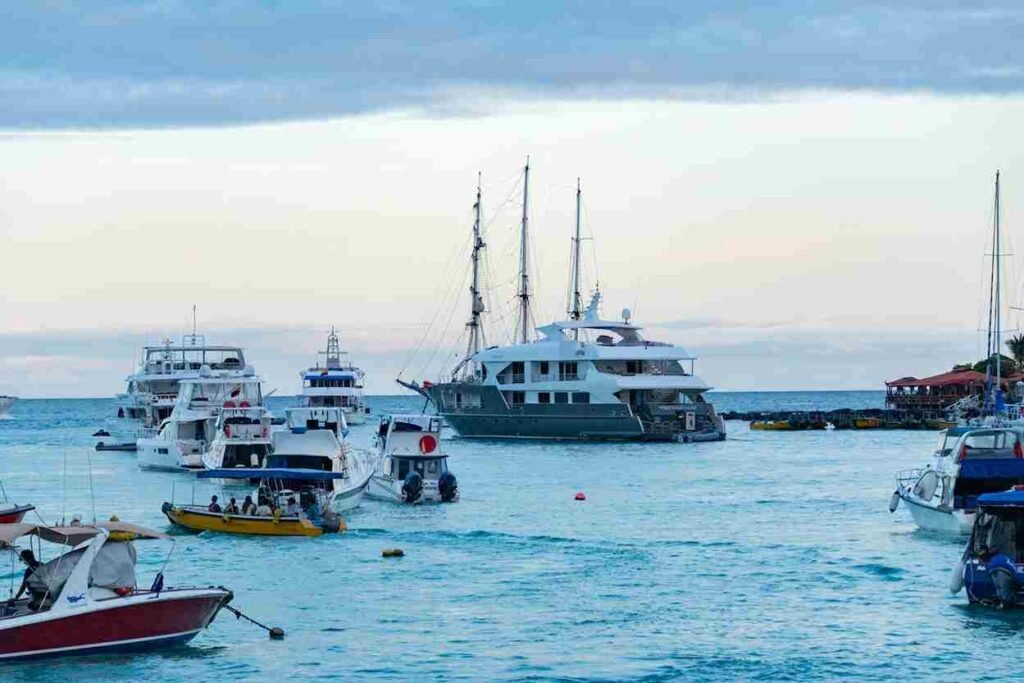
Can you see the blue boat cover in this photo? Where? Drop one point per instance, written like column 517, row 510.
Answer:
column 269, row 473
column 992, row 468
column 1012, row 498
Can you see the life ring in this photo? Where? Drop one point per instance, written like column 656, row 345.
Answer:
column 428, row 443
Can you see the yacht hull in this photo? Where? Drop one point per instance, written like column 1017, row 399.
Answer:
column 941, row 521
column 592, row 421
column 166, row 456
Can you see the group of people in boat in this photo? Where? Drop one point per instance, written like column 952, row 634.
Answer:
column 265, row 508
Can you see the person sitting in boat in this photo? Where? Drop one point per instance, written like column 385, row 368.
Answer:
column 248, row 507
column 264, row 509
column 29, row 558
column 232, row 508
column 214, row 505
column 292, row 509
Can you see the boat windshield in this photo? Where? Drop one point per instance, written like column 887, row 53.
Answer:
column 988, row 444
column 995, row 532
column 946, row 443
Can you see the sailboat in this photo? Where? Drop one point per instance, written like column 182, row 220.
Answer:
column 986, row 454
column 586, row 377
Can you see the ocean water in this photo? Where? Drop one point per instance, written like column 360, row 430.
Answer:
column 771, row 555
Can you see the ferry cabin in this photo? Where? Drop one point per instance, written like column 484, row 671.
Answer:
column 332, row 389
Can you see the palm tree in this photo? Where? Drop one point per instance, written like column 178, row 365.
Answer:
column 1016, row 346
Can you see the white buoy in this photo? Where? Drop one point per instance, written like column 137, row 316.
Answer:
column 956, row 579
column 894, row 502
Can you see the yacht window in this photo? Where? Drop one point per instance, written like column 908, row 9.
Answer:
column 567, row 371
column 580, row 397
column 543, row 397
column 458, row 399
column 515, row 398
column 544, row 369
column 561, row 397
column 633, row 367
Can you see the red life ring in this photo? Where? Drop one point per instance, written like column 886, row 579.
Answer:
column 428, row 444
column 244, row 404
column 229, row 404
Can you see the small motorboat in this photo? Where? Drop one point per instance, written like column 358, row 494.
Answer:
column 992, row 566
column 87, row 599
column 943, row 497
column 410, row 465
column 307, row 489
column 12, row 513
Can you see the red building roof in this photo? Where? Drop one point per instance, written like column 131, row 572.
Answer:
column 957, row 377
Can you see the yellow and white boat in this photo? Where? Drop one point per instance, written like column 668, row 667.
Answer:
column 198, row 518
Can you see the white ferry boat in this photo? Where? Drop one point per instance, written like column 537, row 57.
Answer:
column 335, row 384
column 187, row 434
column 153, row 388
column 584, row 378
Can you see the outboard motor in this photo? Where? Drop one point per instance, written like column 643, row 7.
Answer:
column 412, row 487
column 448, row 487
column 331, row 522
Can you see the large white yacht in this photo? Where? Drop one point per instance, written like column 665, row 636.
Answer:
column 335, row 383
column 188, row 433
column 583, row 378
column 153, row 387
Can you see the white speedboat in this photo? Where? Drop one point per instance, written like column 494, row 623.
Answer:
column 410, row 465
column 335, row 384
column 5, row 404
column 943, row 497
column 242, row 437
column 315, row 440
column 586, row 377
column 152, row 389
column 187, row 434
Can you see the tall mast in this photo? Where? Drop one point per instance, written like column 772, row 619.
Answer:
column 476, row 301
column 996, row 299
column 524, row 278
column 576, row 300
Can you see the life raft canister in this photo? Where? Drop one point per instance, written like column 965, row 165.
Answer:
column 428, row 443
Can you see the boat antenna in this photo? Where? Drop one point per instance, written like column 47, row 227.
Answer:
column 575, row 299
column 476, row 305
column 193, row 321
column 524, row 278
column 92, row 491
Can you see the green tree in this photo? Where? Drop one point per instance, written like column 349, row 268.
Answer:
column 1016, row 346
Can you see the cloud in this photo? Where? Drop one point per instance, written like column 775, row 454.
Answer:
column 154, row 63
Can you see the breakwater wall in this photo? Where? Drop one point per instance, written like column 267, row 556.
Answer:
column 840, row 419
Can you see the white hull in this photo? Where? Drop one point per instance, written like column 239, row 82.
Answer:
column 159, row 454
column 931, row 518
column 390, row 490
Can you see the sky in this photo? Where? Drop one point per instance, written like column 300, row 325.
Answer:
column 800, row 195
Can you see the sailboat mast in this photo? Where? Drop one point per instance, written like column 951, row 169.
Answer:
column 997, row 303
column 524, row 278
column 576, row 303
column 476, row 301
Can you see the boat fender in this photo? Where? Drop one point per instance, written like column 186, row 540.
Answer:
column 448, row 487
column 894, row 502
column 956, row 578
column 412, row 487
column 393, row 552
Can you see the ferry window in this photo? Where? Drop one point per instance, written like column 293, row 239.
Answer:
column 543, row 397
column 567, row 371
column 632, row 367
column 580, row 397
column 432, row 467
column 561, row 397
column 544, row 369
column 516, row 398
column 403, row 468
column 458, row 399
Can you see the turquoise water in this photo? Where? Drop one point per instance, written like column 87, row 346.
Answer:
column 770, row 555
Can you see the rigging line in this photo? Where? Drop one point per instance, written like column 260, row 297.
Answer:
column 447, row 325
column 437, row 311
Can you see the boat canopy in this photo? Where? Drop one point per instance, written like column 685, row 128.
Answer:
column 992, row 468
column 270, row 473
column 1012, row 498
column 72, row 535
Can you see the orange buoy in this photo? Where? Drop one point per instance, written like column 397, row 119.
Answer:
column 581, row 496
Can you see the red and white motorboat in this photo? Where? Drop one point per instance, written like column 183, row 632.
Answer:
column 87, row 601
column 11, row 513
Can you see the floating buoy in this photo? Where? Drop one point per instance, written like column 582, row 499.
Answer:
column 393, row 552
column 276, row 633
column 102, row 432
column 581, row 496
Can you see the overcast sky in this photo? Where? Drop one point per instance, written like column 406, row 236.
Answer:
column 801, row 195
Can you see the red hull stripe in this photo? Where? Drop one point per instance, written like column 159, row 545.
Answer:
column 134, row 645
column 161, row 617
